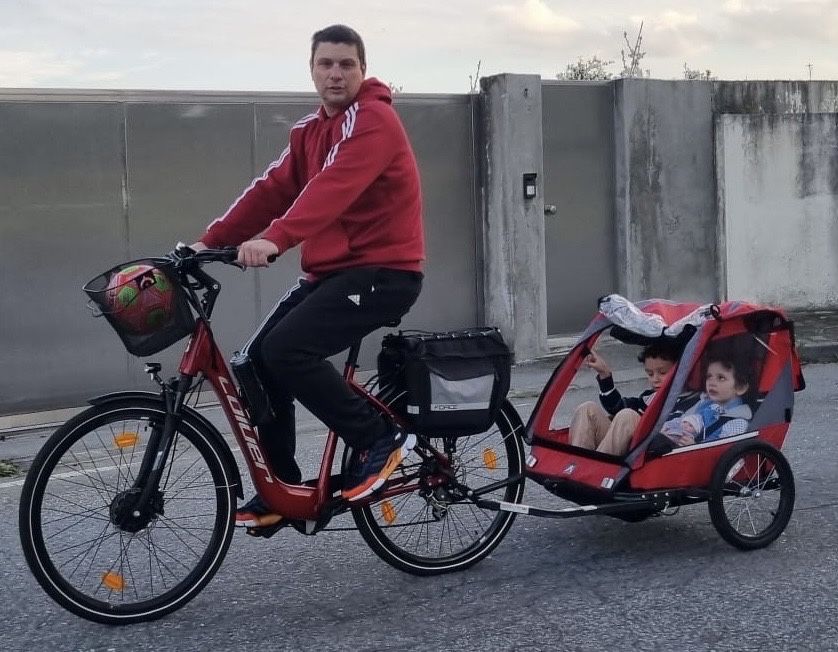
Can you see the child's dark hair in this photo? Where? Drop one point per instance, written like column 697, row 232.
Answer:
column 741, row 377
column 663, row 349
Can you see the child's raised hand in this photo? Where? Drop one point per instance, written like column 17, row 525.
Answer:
column 595, row 362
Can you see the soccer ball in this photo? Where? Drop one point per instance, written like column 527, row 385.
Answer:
column 140, row 298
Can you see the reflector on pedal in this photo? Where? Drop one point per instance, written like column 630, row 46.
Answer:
column 490, row 459
column 113, row 581
column 388, row 512
column 126, row 439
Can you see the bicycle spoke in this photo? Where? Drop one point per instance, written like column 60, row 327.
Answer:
column 81, row 555
column 92, row 561
column 103, row 487
column 90, row 513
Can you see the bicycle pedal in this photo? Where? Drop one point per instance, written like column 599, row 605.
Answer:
column 268, row 531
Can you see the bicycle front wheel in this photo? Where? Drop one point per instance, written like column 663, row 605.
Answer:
column 78, row 543
column 430, row 532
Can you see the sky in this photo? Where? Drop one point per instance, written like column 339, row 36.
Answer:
column 421, row 46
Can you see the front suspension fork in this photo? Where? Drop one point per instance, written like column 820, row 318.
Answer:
column 173, row 392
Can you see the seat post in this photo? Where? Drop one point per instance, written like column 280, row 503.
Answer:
column 352, row 360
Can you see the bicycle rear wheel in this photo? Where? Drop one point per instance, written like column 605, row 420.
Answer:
column 150, row 564
column 428, row 532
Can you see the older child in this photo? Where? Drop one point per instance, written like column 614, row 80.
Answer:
column 721, row 411
column 592, row 426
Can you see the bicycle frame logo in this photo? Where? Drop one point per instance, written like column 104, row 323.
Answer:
column 245, row 429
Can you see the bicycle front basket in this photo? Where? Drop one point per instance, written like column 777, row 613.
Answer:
column 144, row 302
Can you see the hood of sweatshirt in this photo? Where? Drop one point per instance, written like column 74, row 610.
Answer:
column 374, row 89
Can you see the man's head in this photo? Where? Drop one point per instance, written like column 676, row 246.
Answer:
column 657, row 360
column 338, row 65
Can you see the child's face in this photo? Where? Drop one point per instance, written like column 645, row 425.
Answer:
column 656, row 369
column 721, row 384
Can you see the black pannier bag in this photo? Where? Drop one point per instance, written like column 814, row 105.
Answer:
column 449, row 383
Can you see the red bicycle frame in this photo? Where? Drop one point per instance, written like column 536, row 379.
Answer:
column 306, row 501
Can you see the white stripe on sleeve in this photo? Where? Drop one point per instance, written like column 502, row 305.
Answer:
column 302, row 122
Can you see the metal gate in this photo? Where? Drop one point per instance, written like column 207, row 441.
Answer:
column 578, row 126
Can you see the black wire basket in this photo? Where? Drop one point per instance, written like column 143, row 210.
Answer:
column 145, row 303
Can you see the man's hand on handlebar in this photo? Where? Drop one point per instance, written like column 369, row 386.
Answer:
column 257, row 253
column 253, row 253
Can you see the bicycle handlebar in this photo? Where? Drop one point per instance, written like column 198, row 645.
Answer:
column 227, row 255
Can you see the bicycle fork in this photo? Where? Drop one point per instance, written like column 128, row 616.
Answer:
column 133, row 509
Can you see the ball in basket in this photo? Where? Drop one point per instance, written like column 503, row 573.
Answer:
column 141, row 298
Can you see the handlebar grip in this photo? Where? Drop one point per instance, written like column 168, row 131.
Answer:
column 230, row 254
column 272, row 258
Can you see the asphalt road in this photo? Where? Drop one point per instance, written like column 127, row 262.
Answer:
column 591, row 583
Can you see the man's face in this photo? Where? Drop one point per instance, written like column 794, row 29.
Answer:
column 337, row 75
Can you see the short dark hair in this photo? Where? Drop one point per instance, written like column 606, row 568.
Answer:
column 664, row 349
column 339, row 34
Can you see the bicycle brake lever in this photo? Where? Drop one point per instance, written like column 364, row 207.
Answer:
column 182, row 249
column 233, row 253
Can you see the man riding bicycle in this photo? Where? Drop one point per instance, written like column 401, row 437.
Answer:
column 346, row 188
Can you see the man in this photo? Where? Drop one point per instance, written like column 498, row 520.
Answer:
column 347, row 190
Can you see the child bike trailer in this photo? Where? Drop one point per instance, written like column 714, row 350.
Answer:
column 744, row 478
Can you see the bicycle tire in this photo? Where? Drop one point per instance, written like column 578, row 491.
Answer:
column 390, row 547
column 197, row 474
column 751, row 480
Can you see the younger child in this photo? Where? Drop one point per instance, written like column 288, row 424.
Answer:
column 721, row 411
column 592, row 426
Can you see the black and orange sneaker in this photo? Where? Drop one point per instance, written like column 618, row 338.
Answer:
column 256, row 514
column 371, row 467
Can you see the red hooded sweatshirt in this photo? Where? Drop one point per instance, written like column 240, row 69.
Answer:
column 346, row 187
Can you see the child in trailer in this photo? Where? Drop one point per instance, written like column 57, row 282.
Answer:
column 608, row 428
column 721, row 410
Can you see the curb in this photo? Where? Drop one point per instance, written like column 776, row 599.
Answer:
column 818, row 353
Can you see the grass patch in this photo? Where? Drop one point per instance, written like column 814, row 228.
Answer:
column 8, row 469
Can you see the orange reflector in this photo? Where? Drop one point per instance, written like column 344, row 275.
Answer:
column 126, row 439
column 490, row 459
column 388, row 512
column 113, row 581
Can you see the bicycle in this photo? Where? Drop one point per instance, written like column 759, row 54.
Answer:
column 127, row 511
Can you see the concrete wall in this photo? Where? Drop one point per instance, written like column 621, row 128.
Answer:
column 665, row 208
column 778, row 207
column 89, row 180
column 775, row 97
column 513, row 225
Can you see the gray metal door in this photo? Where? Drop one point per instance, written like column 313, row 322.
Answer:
column 578, row 130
